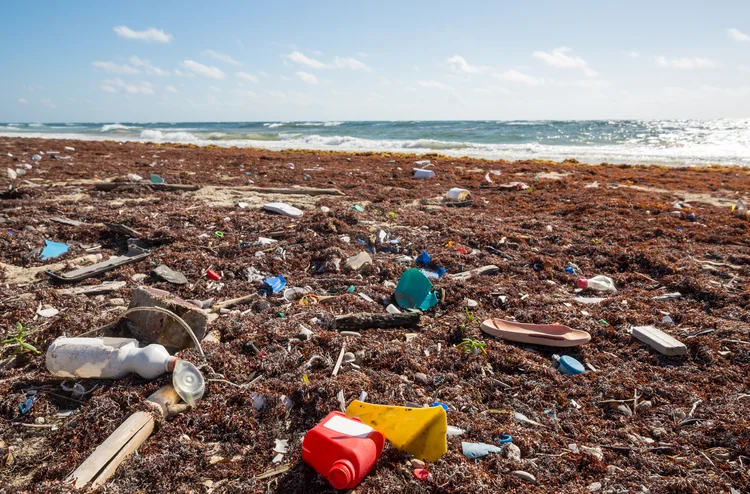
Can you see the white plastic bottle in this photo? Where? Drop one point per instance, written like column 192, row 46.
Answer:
column 107, row 358
column 599, row 283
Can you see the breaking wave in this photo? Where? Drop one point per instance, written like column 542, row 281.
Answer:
column 114, row 126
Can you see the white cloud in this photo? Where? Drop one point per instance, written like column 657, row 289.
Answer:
column 560, row 58
column 170, row 89
column 350, row 63
column 222, row 56
column 308, row 78
column 113, row 68
column 743, row 68
column 738, row 35
column 150, row 34
column 216, row 89
column 48, row 103
column 632, row 54
column 582, row 83
column 416, row 67
column 117, row 85
column 519, row 77
column 457, row 62
column 246, row 77
column 150, row 69
column 22, row 101
column 482, row 90
column 684, row 63
column 301, row 59
column 285, row 78
column 204, row 70
column 492, row 89
column 439, row 85
column 239, row 42
column 264, row 74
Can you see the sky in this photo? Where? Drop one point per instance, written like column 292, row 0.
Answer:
column 231, row 60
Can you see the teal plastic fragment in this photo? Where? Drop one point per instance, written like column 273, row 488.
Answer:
column 156, row 179
column 414, row 291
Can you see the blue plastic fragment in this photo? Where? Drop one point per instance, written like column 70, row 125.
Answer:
column 275, row 284
column 156, row 179
column 478, row 450
column 424, row 258
column 53, row 249
column 570, row 366
column 569, row 270
column 443, row 405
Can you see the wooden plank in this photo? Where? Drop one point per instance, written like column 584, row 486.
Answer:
column 304, row 191
column 105, row 459
column 659, row 340
column 135, row 441
column 235, row 301
column 106, row 287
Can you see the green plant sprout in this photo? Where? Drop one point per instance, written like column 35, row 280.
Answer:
column 472, row 346
column 18, row 339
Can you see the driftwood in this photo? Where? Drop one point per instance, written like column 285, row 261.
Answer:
column 304, row 191
column 106, row 287
column 105, row 459
column 107, row 186
column 365, row 320
column 465, row 275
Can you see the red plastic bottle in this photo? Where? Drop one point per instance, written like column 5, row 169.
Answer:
column 342, row 450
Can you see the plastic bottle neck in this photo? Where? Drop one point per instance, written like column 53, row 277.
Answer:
column 341, row 474
column 171, row 362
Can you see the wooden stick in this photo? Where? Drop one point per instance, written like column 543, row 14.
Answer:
column 338, row 362
column 235, row 301
column 365, row 320
column 491, row 269
column 105, row 459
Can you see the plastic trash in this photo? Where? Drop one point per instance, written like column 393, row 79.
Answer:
column 156, row 179
column 343, row 450
column 213, row 275
column 568, row 365
column 188, row 381
column 358, row 208
column 478, row 450
column 424, row 258
column 414, row 291
column 107, row 358
column 275, row 284
column 418, row 431
column 458, row 194
column 36, row 157
column 283, row 209
column 53, row 249
column 598, row 283
column 740, row 208
column 420, row 173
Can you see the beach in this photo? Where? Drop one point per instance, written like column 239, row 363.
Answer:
column 655, row 230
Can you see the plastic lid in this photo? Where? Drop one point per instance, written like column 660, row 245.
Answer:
column 583, row 283
column 188, row 382
column 570, row 366
column 341, row 474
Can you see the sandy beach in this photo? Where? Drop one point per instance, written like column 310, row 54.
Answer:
column 653, row 230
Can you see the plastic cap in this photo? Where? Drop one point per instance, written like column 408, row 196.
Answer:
column 341, row 474
column 188, row 382
column 583, row 283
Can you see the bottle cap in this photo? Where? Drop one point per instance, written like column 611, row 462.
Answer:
column 188, row 382
column 341, row 474
column 582, row 283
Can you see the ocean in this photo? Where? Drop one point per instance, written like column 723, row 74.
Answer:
column 665, row 142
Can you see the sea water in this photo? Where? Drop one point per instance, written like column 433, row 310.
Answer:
column 666, row 142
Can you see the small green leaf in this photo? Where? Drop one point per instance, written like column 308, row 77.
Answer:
column 30, row 347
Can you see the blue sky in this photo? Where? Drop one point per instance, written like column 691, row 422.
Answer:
column 239, row 60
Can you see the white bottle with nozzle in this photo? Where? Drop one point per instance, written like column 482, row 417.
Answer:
column 107, row 358
column 599, row 283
